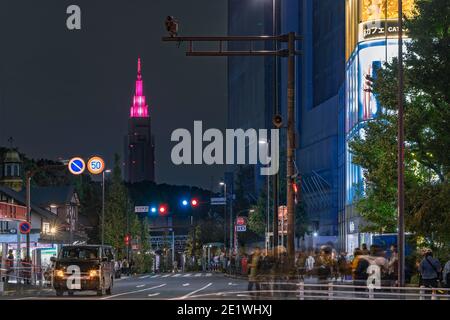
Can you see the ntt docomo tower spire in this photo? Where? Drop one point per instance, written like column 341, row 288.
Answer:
column 139, row 143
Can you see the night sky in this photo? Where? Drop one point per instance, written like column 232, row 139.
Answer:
column 66, row 93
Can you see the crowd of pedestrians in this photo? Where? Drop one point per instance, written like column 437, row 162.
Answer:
column 325, row 265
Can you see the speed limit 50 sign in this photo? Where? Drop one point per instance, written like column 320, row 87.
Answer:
column 96, row 165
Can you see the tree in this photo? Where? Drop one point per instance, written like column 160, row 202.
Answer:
column 117, row 209
column 427, row 124
column 257, row 218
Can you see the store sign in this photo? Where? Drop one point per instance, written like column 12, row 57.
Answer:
column 379, row 18
column 242, row 228
column 282, row 220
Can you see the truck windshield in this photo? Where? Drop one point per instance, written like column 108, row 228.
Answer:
column 79, row 253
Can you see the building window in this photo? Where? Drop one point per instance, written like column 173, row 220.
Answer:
column 45, row 227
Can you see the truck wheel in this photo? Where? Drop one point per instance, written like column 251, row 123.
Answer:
column 59, row 293
column 70, row 293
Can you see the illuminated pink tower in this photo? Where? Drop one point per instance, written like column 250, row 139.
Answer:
column 139, row 142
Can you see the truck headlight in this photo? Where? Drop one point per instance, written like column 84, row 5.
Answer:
column 93, row 273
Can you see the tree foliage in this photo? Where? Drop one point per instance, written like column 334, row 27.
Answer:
column 427, row 127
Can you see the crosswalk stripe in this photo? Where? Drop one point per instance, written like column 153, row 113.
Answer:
column 165, row 276
column 209, row 274
column 187, row 275
column 143, row 277
column 155, row 276
column 198, row 275
column 176, row 275
column 153, row 294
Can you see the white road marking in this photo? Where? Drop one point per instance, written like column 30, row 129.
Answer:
column 185, row 284
column 143, row 277
column 193, row 292
column 165, row 276
column 131, row 292
column 209, row 274
column 187, row 275
column 153, row 294
column 140, row 286
column 155, row 276
column 176, row 275
column 198, row 275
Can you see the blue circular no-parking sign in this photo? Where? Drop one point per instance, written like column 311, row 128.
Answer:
column 24, row 227
column 76, row 166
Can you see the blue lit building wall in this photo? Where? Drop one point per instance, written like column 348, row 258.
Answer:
column 320, row 83
column 320, row 78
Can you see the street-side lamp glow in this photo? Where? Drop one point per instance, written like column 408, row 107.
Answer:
column 52, row 230
column 153, row 209
column 222, row 183
column 315, row 234
column 108, row 171
column 184, row 202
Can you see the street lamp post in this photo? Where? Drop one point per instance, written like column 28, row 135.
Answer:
column 224, row 215
column 103, row 205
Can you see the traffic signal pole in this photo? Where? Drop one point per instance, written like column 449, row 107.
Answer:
column 291, row 148
column 290, row 53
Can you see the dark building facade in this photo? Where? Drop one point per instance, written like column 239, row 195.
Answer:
column 139, row 146
column 320, row 78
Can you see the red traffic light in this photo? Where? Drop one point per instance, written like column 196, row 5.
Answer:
column 194, row 202
column 163, row 210
column 127, row 239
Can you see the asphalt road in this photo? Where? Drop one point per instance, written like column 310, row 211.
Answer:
column 177, row 286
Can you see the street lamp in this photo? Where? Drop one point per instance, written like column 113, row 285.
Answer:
column 224, row 185
column 103, row 204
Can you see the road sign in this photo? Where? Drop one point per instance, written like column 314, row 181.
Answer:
column 218, row 201
column 141, row 209
column 240, row 221
column 76, row 166
column 24, row 227
column 96, row 165
column 241, row 228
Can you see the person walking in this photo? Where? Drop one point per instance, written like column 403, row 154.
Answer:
column 309, row 263
column 446, row 274
column 9, row 266
column 430, row 270
column 253, row 276
column 393, row 266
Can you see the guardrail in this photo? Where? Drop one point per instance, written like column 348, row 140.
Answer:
column 26, row 275
column 331, row 291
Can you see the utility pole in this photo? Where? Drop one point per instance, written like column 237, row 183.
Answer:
column 291, row 148
column 290, row 53
column 401, row 154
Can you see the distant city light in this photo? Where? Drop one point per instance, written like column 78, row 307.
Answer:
column 184, row 202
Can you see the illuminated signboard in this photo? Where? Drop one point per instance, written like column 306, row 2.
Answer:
column 379, row 18
column 372, row 19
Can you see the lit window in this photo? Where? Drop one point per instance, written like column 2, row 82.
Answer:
column 45, row 227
